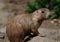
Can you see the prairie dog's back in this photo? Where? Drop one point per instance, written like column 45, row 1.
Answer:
column 24, row 21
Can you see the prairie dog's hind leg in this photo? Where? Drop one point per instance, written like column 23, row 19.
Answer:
column 16, row 39
column 13, row 39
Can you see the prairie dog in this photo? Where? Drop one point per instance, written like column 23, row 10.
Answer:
column 22, row 25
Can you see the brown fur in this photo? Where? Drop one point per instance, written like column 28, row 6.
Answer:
column 22, row 25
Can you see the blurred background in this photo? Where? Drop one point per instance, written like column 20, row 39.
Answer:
column 50, row 29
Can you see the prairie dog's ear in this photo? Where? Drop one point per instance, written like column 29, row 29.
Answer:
column 37, row 11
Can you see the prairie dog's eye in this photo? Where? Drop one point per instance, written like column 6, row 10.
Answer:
column 42, row 12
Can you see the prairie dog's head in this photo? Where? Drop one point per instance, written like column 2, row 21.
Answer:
column 42, row 13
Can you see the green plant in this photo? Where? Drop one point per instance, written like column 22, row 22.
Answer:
column 50, row 4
